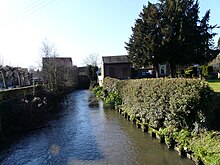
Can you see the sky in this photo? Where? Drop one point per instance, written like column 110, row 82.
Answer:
column 77, row 28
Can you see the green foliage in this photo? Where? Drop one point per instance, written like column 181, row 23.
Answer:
column 175, row 109
column 91, row 72
column 206, row 71
column 113, row 99
column 180, row 73
column 98, row 91
column 183, row 137
column 188, row 73
column 215, row 85
column 216, row 63
column 191, row 72
column 207, row 147
column 164, row 102
column 171, row 32
column 144, row 41
column 203, row 70
column 219, row 42
column 168, row 134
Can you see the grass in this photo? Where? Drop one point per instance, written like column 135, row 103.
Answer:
column 215, row 84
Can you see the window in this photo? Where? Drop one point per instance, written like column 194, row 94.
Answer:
column 162, row 69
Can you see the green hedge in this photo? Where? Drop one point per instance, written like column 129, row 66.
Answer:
column 176, row 110
column 182, row 103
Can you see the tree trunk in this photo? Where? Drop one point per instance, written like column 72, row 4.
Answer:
column 156, row 67
column 172, row 70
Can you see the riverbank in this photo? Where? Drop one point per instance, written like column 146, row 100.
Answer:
column 180, row 112
column 215, row 84
column 85, row 133
column 25, row 112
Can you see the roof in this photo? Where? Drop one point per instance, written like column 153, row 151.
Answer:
column 82, row 69
column 116, row 59
column 67, row 61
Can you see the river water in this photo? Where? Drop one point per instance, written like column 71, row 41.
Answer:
column 81, row 134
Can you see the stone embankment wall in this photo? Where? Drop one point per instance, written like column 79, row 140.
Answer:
column 22, row 109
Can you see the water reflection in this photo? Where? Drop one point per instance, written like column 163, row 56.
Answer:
column 85, row 134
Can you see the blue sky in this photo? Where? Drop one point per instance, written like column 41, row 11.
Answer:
column 76, row 27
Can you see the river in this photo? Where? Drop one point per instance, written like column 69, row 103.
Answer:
column 81, row 134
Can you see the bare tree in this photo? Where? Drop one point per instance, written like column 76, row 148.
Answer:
column 58, row 72
column 1, row 61
column 48, row 49
column 91, row 62
column 50, row 67
column 92, row 59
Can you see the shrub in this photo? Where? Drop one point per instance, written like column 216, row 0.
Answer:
column 183, row 138
column 206, row 146
column 113, row 99
column 163, row 102
column 176, row 109
column 191, row 71
column 98, row 91
column 206, row 71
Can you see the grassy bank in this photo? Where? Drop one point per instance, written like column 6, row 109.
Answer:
column 215, row 85
column 180, row 112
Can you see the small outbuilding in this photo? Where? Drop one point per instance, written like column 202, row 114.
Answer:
column 116, row 67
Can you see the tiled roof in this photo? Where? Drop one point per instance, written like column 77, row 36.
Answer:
column 116, row 59
column 60, row 60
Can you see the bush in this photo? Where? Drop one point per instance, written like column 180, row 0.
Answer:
column 192, row 71
column 113, row 99
column 176, row 109
column 163, row 102
column 206, row 146
column 98, row 91
column 206, row 71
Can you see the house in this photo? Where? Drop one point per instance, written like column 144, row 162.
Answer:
column 116, row 67
column 163, row 70
column 61, row 61
column 59, row 72
column 82, row 71
column 121, row 67
column 83, row 79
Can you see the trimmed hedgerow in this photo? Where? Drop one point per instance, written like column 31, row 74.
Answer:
column 182, row 103
column 179, row 111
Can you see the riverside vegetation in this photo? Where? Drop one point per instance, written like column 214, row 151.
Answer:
column 26, row 109
column 182, row 113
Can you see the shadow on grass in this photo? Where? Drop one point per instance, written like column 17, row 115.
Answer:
column 217, row 94
column 214, row 116
column 218, row 80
